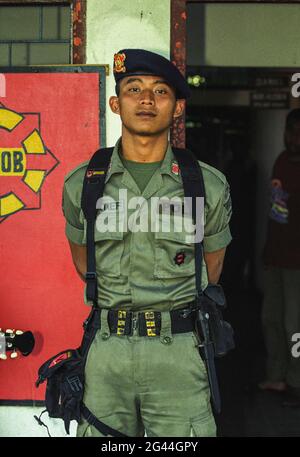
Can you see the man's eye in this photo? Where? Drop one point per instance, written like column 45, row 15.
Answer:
column 161, row 91
column 133, row 89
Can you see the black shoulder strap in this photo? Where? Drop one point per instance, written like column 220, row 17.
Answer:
column 193, row 186
column 93, row 188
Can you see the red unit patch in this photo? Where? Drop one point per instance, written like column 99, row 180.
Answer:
column 179, row 258
column 60, row 358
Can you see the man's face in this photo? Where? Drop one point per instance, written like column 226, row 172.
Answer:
column 292, row 139
column 146, row 104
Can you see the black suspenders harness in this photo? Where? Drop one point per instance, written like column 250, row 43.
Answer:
column 65, row 371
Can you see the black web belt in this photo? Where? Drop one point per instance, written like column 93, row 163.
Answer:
column 148, row 323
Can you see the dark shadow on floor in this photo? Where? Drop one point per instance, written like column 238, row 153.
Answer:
column 246, row 411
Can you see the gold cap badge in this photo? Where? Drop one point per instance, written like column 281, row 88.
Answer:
column 119, row 66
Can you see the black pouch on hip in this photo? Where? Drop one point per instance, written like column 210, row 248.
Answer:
column 64, row 373
column 221, row 331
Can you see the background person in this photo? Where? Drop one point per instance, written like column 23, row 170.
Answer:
column 281, row 307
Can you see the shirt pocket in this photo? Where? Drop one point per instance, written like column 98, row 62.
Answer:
column 174, row 254
column 109, row 248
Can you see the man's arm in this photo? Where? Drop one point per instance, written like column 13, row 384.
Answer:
column 214, row 264
column 217, row 234
column 79, row 258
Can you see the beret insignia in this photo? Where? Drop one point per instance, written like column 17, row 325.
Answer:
column 119, row 66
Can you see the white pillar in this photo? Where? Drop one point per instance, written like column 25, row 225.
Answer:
column 118, row 24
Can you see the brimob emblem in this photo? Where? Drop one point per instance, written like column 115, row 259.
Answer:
column 119, row 66
column 25, row 161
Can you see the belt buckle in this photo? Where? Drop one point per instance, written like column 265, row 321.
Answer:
column 150, row 323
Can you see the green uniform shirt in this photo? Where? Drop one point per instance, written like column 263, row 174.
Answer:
column 136, row 270
column 141, row 172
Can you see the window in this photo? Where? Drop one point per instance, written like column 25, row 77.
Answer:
column 35, row 35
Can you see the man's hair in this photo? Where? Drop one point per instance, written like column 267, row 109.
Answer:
column 292, row 118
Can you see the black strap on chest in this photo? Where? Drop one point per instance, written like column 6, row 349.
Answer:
column 93, row 188
column 193, row 186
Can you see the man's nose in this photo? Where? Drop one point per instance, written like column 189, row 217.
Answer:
column 147, row 97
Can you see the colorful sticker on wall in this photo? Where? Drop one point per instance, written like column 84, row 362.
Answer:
column 25, row 161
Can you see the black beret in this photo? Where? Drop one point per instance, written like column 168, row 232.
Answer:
column 128, row 62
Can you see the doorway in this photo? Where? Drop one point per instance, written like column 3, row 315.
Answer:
column 235, row 119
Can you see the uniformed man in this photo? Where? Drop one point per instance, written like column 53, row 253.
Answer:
column 147, row 384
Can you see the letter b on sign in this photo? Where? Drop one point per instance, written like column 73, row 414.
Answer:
column 12, row 162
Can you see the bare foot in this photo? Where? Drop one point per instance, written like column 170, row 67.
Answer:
column 278, row 386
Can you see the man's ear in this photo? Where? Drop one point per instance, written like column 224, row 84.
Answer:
column 179, row 108
column 114, row 104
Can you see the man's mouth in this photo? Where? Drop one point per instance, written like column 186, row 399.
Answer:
column 146, row 114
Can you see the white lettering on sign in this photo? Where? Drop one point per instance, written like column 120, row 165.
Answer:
column 296, row 87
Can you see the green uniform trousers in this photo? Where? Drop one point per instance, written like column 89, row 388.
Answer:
column 154, row 385
column 281, row 319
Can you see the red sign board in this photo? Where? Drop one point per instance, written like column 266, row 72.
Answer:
column 50, row 121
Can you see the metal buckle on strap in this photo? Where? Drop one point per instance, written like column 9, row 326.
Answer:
column 186, row 312
column 90, row 276
column 133, row 323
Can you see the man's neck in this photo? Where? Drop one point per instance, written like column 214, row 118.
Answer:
column 143, row 148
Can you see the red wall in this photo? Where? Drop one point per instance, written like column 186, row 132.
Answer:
column 40, row 290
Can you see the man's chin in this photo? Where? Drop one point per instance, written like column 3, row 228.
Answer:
column 148, row 132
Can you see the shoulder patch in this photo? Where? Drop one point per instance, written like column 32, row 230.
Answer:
column 81, row 167
column 213, row 171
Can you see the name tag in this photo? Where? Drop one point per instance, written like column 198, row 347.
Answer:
column 112, row 206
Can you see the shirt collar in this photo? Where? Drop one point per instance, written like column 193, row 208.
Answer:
column 116, row 165
column 168, row 163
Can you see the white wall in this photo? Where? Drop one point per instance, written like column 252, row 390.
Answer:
column 253, row 35
column 111, row 26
